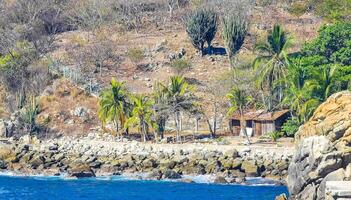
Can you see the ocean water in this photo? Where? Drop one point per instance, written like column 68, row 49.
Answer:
column 121, row 188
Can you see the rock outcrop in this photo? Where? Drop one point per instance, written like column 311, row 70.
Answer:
column 93, row 156
column 323, row 149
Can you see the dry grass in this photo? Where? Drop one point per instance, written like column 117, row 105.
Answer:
column 56, row 109
column 204, row 69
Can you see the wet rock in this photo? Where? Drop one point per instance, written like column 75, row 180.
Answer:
column 171, row 174
column 220, row 179
column 187, row 180
column 155, row 174
column 3, row 164
column 81, row 171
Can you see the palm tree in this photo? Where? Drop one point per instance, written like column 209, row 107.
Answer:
column 272, row 62
column 112, row 104
column 161, row 108
column 181, row 98
column 327, row 81
column 239, row 101
column 141, row 115
column 299, row 95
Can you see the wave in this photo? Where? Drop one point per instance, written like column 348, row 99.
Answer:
column 200, row 179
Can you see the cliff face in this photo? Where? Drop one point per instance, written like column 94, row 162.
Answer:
column 323, row 149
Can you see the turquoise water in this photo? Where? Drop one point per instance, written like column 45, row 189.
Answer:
column 43, row 188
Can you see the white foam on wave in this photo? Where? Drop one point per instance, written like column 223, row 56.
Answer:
column 202, row 179
column 258, row 181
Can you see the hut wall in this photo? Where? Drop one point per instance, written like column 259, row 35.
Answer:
column 267, row 127
column 235, row 126
column 257, row 128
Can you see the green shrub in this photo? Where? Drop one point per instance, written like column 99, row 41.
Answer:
column 291, row 126
column 135, row 55
column 275, row 135
column 201, row 27
column 298, row 8
column 180, row 65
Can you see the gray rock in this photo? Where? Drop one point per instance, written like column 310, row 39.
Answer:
column 250, row 168
column 155, row 174
column 231, row 154
column 220, row 179
column 338, row 175
column 3, row 164
column 171, row 174
column 306, row 159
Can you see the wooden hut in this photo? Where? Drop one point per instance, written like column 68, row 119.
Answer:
column 260, row 122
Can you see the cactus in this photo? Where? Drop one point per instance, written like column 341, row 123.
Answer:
column 201, row 27
column 29, row 115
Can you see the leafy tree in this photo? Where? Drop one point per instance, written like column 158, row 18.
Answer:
column 235, row 28
column 112, row 104
column 141, row 117
column 328, row 59
column 271, row 63
column 201, row 27
column 239, row 101
column 331, row 46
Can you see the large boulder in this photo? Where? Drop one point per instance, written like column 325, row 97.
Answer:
column 250, row 168
column 323, row 149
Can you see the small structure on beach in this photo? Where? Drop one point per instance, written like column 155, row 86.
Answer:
column 259, row 122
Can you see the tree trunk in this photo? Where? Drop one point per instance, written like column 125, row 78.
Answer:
column 180, row 122
column 176, row 118
column 196, row 125
column 116, row 123
column 209, row 126
column 215, row 121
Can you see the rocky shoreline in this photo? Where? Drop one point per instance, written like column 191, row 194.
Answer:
column 90, row 157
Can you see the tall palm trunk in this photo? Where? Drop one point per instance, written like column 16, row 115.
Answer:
column 116, row 123
column 177, row 124
column 243, row 126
